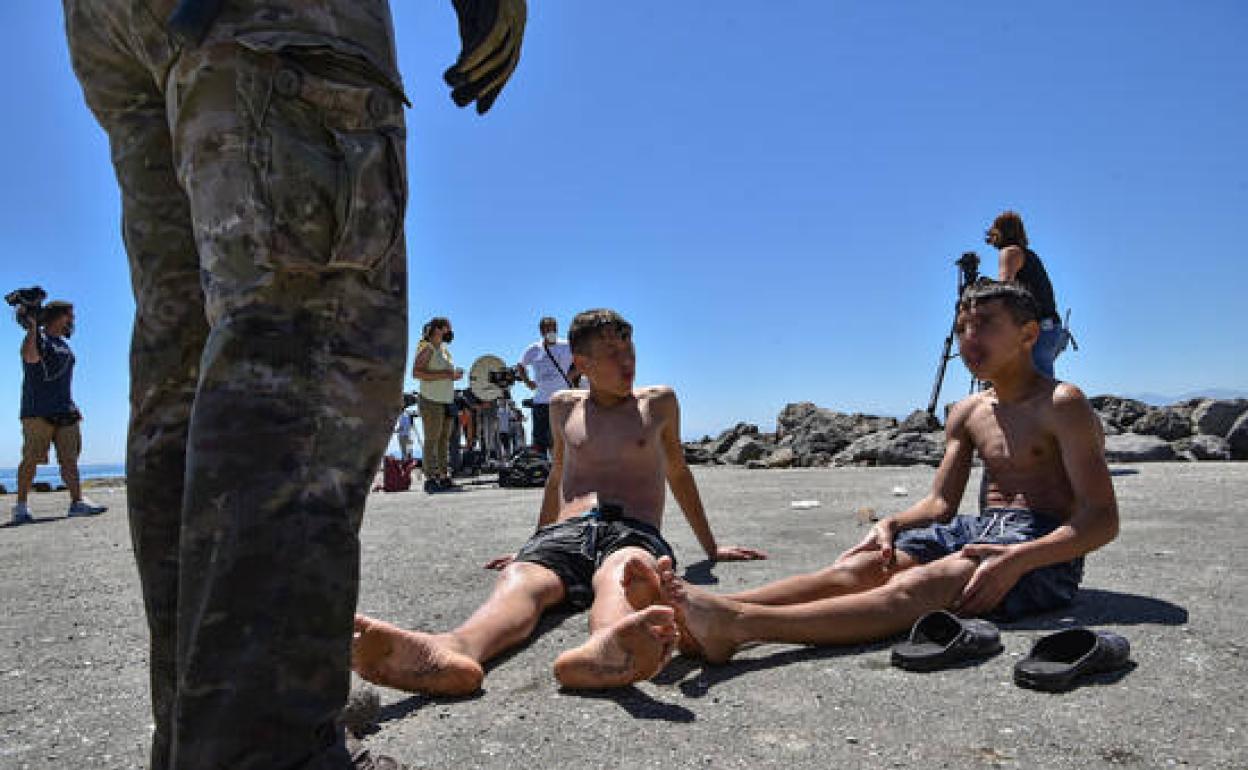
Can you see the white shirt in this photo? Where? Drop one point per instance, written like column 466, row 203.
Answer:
column 545, row 374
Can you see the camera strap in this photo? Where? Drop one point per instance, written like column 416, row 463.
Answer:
column 558, row 368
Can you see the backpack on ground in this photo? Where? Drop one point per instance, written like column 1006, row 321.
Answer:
column 527, row 468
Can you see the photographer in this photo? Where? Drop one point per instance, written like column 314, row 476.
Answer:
column 49, row 416
column 551, row 359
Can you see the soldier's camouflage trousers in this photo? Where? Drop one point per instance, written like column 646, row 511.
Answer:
column 263, row 189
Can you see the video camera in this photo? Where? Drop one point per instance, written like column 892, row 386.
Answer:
column 28, row 303
column 968, row 267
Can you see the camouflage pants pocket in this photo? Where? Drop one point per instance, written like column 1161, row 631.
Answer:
column 292, row 153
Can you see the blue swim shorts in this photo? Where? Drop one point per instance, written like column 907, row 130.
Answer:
column 1040, row 590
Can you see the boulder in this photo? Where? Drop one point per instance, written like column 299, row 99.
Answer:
column 698, row 454
column 1134, row 448
column 756, row 465
column 783, row 457
column 920, row 421
column 729, row 437
column 1108, row 427
column 893, row 447
column 1169, row 423
column 1237, row 437
column 1120, row 412
column 745, row 449
column 793, row 415
column 1202, row 447
column 827, row 441
column 1214, row 417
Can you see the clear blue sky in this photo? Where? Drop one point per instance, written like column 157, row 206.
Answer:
column 772, row 192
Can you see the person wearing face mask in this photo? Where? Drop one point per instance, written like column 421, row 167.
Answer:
column 553, row 370
column 49, row 415
column 437, row 373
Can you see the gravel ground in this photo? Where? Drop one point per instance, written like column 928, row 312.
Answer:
column 73, row 668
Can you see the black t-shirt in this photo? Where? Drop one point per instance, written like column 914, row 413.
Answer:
column 1036, row 279
column 46, row 384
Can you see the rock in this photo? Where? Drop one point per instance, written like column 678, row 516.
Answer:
column 745, row 449
column 1108, row 427
column 793, row 415
column 826, row 441
column 893, row 447
column 1215, row 417
column 729, row 437
column 1237, row 437
column 1120, row 412
column 1134, row 448
column 696, row 454
column 920, row 421
column 756, row 465
column 362, row 711
column 41, row 486
column 1168, row 423
column 3, row 490
column 1203, row 447
column 783, row 457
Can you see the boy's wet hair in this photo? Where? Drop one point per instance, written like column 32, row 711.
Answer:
column 1013, row 295
column 1009, row 224
column 592, row 324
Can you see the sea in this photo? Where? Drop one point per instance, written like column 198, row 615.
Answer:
column 52, row 474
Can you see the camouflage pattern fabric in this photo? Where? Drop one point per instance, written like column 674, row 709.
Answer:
column 263, row 189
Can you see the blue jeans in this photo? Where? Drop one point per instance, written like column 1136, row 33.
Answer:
column 1049, row 345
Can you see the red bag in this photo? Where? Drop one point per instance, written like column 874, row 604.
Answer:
column 396, row 475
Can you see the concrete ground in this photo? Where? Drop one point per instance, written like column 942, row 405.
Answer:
column 73, row 665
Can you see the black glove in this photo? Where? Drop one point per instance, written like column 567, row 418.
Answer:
column 490, row 32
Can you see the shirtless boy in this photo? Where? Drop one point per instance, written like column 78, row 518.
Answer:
column 1050, row 502
column 596, row 544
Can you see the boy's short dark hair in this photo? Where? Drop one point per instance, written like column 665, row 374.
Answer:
column 1017, row 300
column 592, row 324
column 1009, row 224
column 54, row 310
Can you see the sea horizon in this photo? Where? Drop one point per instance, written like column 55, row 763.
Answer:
column 52, row 473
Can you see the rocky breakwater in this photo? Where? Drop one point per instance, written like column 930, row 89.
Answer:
column 807, row 435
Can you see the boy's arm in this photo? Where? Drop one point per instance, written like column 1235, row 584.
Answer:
column 549, row 512
column 1093, row 521
column 942, row 502
column 685, row 489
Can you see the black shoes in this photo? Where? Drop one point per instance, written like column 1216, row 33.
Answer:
column 941, row 639
column 1058, row 660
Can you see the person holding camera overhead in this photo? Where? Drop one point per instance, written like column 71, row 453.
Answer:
column 437, row 373
column 551, row 359
column 49, row 415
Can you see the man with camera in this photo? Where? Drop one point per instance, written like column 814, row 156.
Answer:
column 49, row 415
column 551, row 359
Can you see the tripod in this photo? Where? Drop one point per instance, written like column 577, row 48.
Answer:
column 968, row 273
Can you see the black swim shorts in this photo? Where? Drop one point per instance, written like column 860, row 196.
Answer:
column 575, row 548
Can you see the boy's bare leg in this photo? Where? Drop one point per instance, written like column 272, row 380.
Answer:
column 450, row 664
column 851, row 575
column 631, row 638
column 718, row 625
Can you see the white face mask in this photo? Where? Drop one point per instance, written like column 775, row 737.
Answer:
column 550, row 338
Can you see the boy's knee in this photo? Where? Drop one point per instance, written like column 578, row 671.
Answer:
column 938, row 582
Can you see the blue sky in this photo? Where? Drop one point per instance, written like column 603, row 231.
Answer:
column 773, row 193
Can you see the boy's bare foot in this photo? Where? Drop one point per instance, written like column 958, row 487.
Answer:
column 635, row 647
column 409, row 660
column 704, row 619
column 640, row 582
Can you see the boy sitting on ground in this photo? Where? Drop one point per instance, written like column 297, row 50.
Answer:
column 1050, row 502
column 596, row 545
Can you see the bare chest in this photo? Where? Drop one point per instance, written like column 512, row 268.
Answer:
column 622, row 439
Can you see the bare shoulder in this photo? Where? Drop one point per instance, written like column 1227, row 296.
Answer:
column 657, row 395
column 1066, row 395
column 960, row 413
column 563, row 400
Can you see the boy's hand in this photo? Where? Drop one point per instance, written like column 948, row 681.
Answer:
column 500, row 561
column 997, row 573
column 737, row 553
column 880, row 538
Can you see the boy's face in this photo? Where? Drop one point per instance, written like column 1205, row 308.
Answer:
column 611, row 364
column 989, row 338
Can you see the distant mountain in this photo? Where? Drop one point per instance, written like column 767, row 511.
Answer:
column 1157, row 399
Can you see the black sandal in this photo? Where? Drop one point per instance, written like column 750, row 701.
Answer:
column 940, row 639
column 1057, row 660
